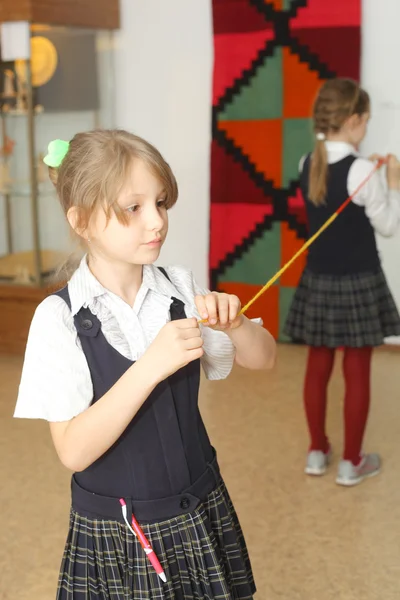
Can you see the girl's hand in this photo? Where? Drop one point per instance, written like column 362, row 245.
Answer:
column 177, row 344
column 376, row 157
column 220, row 310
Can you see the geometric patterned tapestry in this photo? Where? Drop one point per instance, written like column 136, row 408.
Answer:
column 270, row 59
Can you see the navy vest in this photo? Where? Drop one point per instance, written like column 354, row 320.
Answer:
column 348, row 245
column 165, row 448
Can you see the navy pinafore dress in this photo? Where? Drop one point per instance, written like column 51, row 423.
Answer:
column 166, row 470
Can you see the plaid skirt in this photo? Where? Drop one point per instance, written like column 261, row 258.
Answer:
column 342, row 311
column 203, row 554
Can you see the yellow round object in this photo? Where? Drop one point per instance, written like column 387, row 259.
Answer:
column 44, row 61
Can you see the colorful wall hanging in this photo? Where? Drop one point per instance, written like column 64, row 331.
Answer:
column 270, row 59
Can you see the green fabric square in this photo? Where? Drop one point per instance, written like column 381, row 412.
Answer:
column 285, row 299
column 298, row 139
column 262, row 97
column 260, row 262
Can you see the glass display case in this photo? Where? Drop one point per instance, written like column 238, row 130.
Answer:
column 66, row 86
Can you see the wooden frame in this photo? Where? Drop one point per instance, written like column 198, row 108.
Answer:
column 95, row 14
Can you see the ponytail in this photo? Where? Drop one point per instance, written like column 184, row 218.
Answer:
column 318, row 174
column 337, row 100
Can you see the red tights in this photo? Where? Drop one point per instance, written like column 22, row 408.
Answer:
column 356, row 370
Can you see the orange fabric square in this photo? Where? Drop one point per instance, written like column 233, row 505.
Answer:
column 261, row 142
column 266, row 307
column 290, row 244
column 300, row 86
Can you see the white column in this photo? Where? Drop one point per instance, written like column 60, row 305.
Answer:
column 163, row 71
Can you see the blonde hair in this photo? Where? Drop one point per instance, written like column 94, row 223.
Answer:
column 337, row 101
column 94, row 171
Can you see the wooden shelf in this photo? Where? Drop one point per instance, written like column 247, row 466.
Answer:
column 13, row 266
column 94, row 14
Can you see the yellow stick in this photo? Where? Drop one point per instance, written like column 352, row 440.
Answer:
column 290, row 262
column 286, row 266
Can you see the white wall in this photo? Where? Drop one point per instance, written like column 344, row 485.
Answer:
column 380, row 77
column 163, row 80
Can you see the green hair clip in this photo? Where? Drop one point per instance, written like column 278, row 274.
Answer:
column 56, row 153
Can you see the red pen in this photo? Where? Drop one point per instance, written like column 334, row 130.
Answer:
column 136, row 530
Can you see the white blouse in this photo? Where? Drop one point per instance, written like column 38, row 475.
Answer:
column 382, row 206
column 56, row 383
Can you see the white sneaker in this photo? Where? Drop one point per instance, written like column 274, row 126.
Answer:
column 349, row 475
column 317, row 462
